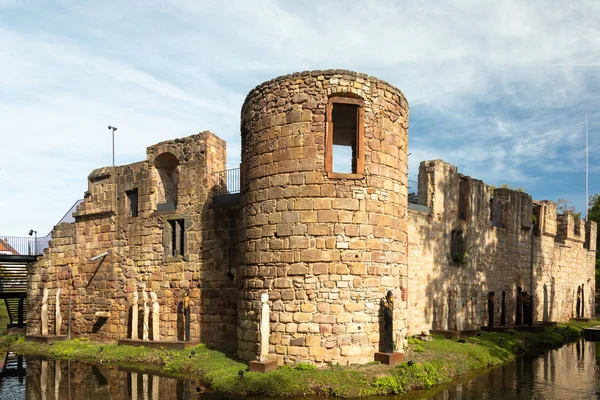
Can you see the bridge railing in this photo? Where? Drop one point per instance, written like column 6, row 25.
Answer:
column 25, row 246
column 413, row 192
column 227, row 182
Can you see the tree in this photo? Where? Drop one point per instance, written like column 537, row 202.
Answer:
column 563, row 207
column 594, row 215
column 594, row 210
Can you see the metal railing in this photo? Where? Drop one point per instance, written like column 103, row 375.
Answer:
column 413, row 192
column 24, row 246
column 227, row 182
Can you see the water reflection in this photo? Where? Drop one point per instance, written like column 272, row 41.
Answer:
column 12, row 377
column 570, row 372
column 38, row 379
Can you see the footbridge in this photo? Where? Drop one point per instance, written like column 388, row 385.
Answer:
column 15, row 254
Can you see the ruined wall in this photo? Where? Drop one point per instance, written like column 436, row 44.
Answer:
column 505, row 249
column 140, row 247
column 325, row 246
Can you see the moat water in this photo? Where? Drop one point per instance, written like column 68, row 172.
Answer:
column 571, row 372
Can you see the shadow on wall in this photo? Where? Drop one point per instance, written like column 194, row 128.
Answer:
column 457, row 286
column 457, row 255
column 218, row 278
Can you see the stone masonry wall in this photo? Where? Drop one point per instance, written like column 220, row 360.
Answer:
column 139, row 252
column 326, row 249
column 326, row 246
column 501, row 255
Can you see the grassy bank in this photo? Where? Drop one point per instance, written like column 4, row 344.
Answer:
column 4, row 318
column 433, row 362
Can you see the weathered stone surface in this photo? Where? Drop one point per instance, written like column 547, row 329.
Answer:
column 498, row 257
column 318, row 233
column 139, row 248
column 325, row 246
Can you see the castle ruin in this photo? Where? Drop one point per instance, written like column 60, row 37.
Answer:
column 323, row 223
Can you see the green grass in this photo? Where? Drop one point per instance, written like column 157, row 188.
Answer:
column 432, row 363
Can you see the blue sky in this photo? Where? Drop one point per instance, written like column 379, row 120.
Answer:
column 499, row 89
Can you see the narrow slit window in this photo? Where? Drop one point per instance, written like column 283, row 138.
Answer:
column 132, row 202
column 463, row 193
column 177, row 237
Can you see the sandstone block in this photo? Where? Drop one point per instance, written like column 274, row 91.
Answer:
column 285, row 229
column 327, row 216
column 302, row 317
column 297, row 351
column 345, row 204
column 281, row 283
column 299, row 242
column 298, row 269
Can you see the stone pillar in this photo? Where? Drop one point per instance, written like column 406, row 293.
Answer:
column 459, row 310
column 57, row 314
column 44, row 313
column 134, row 315
column 265, row 320
column 155, row 317
column 503, row 308
column 146, row 313
column 186, row 317
column 326, row 243
column 445, row 313
column 545, row 314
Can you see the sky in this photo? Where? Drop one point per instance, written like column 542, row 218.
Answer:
column 499, row 89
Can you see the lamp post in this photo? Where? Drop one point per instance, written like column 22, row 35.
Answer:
column 31, row 232
column 113, row 129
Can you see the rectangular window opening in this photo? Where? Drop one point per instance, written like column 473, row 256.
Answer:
column 458, row 246
column 132, row 202
column 345, row 138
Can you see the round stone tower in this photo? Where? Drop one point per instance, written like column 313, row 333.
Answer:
column 324, row 203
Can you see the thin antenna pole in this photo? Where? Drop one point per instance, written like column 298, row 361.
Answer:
column 587, row 172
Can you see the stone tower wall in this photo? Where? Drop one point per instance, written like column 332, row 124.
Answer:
column 325, row 247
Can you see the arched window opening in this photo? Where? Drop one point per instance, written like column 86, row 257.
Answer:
column 167, row 166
